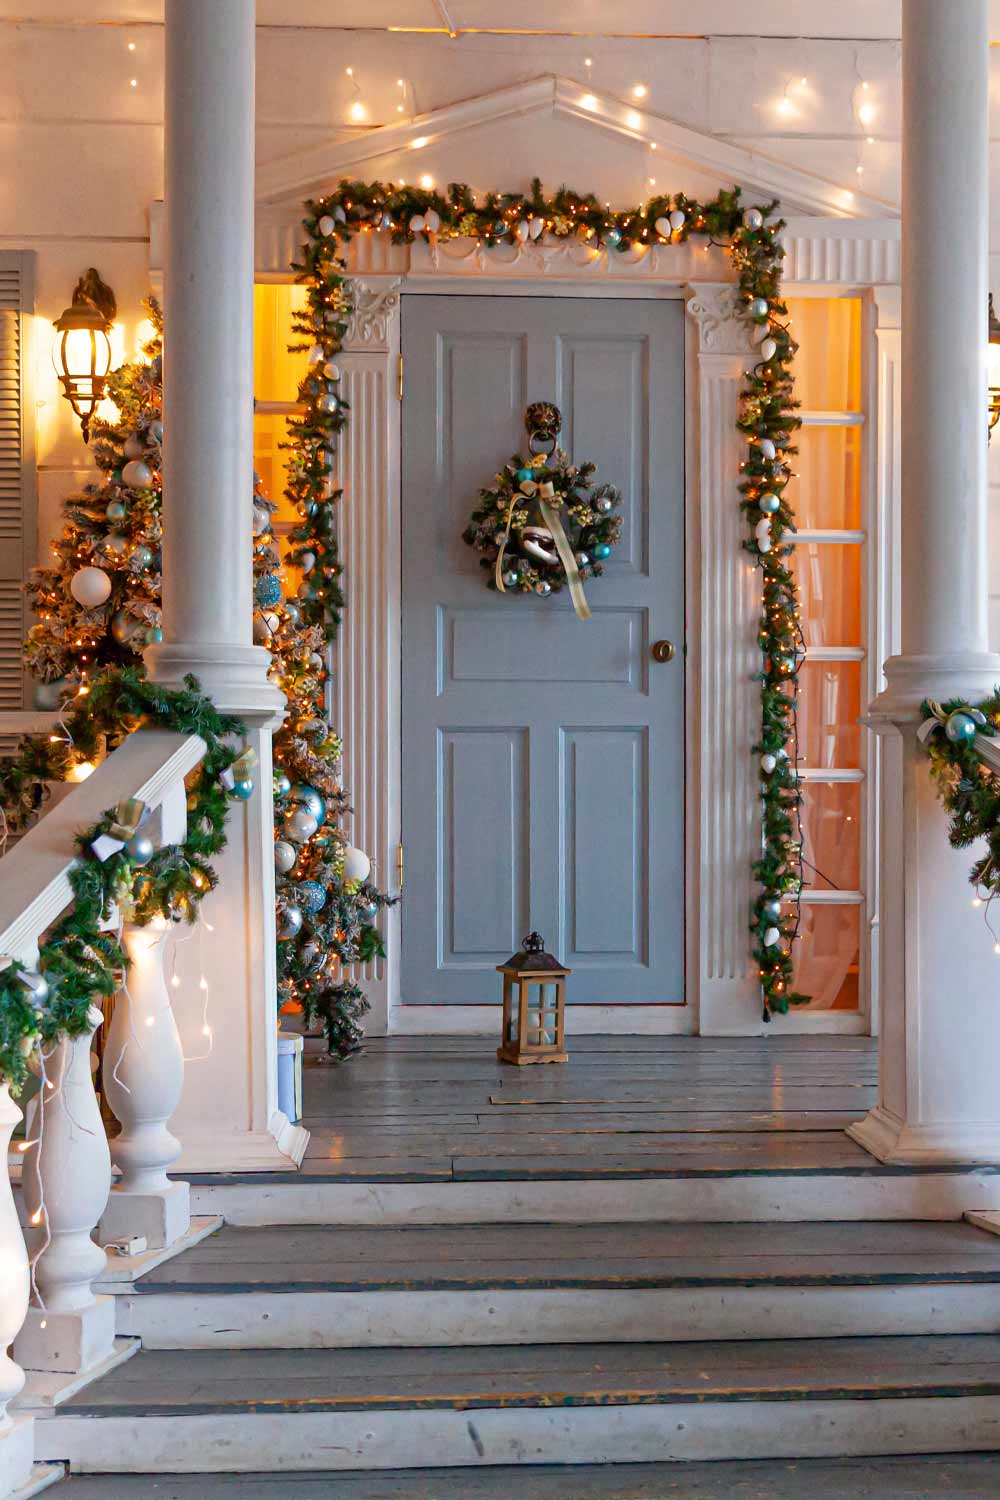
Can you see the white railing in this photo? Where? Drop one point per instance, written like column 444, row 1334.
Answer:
column 52, row 1316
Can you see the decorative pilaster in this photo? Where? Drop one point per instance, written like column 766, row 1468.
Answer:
column 940, row 1027
column 364, row 686
column 722, row 666
column 16, row 1433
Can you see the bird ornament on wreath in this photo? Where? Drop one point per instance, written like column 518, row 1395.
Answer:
column 545, row 526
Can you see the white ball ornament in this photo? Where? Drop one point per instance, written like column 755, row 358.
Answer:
column 536, row 227
column 357, row 865
column 771, row 936
column 417, row 223
column 138, row 475
column 767, row 449
column 522, row 231
column 285, row 855
column 432, row 221
column 326, row 226
column 768, row 350
column 331, row 370
column 315, row 354
column 307, row 561
column 762, row 532
column 678, row 218
column 300, row 825
column 90, row 587
column 768, row 763
column 753, row 219
column 662, row 226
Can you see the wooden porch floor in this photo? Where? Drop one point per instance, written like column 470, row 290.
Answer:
column 443, row 1109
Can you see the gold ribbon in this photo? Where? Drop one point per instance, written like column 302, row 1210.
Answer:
column 498, row 571
column 128, row 816
column 244, row 764
column 550, row 515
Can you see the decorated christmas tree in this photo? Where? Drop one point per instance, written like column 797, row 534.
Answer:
column 98, row 605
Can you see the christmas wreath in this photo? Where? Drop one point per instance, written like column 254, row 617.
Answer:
column 544, row 525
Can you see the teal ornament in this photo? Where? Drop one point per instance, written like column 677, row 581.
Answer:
column 582, row 559
column 758, row 308
column 328, row 403
column 139, row 849
column 116, row 510
column 154, row 635
column 603, row 504
column 122, row 627
column 267, row 590
column 306, row 592
column 960, row 728
column 500, row 227
column 243, row 788
column 773, row 908
column 289, row 923
column 141, row 556
column 292, row 612
column 282, row 784
column 312, row 896
column 285, row 855
column 769, row 503
column 523, row 474
column 511, row 580
column 601, row 551
column 368, row 913
column 309, row 798
column 49, row 695
column 154, row 431
column 614, row 237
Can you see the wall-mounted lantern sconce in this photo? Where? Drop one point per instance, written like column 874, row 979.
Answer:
column 993, row 365
column 82, row 355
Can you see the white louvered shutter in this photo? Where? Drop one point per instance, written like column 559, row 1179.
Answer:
column 17, row 470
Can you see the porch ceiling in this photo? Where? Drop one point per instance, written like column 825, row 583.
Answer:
column 862, row 19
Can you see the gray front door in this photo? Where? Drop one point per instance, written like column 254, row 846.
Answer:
column 543, row 756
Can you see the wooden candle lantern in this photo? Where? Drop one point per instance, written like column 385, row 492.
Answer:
column 534, row 1006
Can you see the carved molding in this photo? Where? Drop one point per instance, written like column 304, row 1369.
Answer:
column 722, row 326
column 374, row 307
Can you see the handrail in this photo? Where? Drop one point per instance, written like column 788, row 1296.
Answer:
column 34, row 876
column 988, row 749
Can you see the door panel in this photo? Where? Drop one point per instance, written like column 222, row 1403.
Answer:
column 542, row 756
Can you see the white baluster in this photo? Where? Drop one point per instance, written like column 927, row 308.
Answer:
column 67, row 1175
column 15, row 1432
column 143, row 1078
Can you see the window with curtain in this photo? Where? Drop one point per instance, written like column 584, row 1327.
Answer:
column 830, row 562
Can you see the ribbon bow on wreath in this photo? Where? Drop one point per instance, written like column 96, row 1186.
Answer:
column 960, row 725
column 544, row 524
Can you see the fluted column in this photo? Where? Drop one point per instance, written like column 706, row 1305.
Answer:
column 940, row 1030
column 16, row 1433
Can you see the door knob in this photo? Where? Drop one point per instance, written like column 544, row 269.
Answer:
column 662, row 651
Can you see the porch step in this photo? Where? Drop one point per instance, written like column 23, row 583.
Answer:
column 975, row 1477
column 246, row 1411
column 324, row 1287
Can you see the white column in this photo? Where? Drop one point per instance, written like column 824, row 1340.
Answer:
column 67, row 1175
column 228, row 1115
column 938, row 1095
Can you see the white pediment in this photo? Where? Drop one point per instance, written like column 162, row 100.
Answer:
column 562, row 131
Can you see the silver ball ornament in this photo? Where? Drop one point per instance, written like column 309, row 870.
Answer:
column 753, row 219
column 960, row 728
column 116, row 510
column 139, row 849
column 582, row 559
column 759, row 307
column 543, row 589
column 137, row 474
column 289, row 922
column 154, row 431
column 285, row 855
column 299, row 824
column 603, row 504
column 328, row 403
column 134, row 447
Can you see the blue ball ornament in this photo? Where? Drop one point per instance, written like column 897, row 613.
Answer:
column 116, row 510
column 309, row 798
column 268, row 591
column 613, row 237
column 282, row 784
column 312, row 896
column 769, row 503
column 154, row 635
column 523, row 474
column 960, row 728
column 289, row 923
column 243, row 788
column 368, row 913
column 601, row 551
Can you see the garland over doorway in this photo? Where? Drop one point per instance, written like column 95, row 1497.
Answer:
column 766, row 419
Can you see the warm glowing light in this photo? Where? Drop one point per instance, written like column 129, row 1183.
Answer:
column 150, row 1020
column 639, row 91
column 419, row 142
column 588, row 62
column 866, row 113
column 175, row 982
column 588, row 101
column 131, row 46
column 633, row 119
column 133, row 83
column 357, row 111
column 976, row 901
column 785, row 106
column 427, row 181
column 36, row 1217
column 81, row 770
column 349, row 72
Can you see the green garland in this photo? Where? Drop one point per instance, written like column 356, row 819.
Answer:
column 969, row 789
column 77, row 961
column 766, row 419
